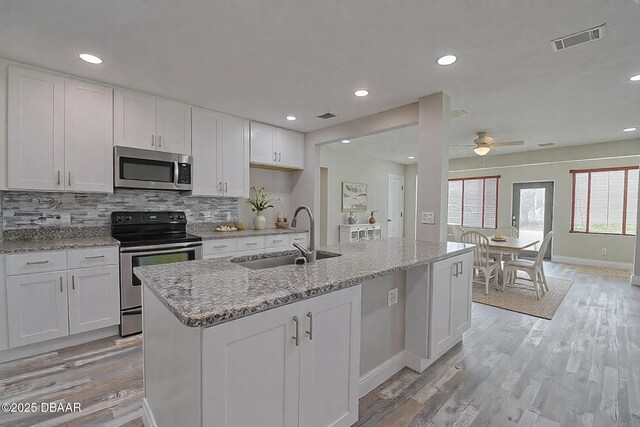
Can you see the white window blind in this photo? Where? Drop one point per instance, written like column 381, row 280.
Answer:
column 473, row 202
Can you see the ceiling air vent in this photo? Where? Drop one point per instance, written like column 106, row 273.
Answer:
column 326, row 116
column 457, row 113
column 585, row 36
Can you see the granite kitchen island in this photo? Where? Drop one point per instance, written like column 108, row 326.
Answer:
column 225, row 345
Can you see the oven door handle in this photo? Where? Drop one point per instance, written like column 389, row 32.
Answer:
column 169, row 247
column 132, row 312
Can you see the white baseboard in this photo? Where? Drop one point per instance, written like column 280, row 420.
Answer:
column 416, row 362
column 592, row 262
column 147, row 415
column 635, row 280
column 381, row 373
column 56, row 344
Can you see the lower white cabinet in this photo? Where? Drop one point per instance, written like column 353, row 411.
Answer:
column 294, row 365
column 360, row 232
column 37, row 307
column 94, row 300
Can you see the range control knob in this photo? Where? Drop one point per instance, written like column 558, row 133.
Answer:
column 171, row 217
column 128, row 218
column 118, row 219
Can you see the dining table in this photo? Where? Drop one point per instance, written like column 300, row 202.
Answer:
column 512, row 245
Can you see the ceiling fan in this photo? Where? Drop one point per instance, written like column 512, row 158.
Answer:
column 484, row 143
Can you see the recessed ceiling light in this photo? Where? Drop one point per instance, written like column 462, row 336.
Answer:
column 91, row 59
column 361, row 92
column 447, row 60
column 628, row 130
column 345, row 141
column 291, row 118
column 635, row 78
column 411, row 157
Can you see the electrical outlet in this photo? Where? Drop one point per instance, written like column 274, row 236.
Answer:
column 604, row 251
column 392, row 297
column 428, row 218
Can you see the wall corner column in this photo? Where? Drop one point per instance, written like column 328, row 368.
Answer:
column 433, row 165
column 635, row 279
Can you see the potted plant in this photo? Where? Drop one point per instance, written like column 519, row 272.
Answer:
column 260, row 201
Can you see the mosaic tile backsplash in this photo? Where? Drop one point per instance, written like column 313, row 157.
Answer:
column 39, row 210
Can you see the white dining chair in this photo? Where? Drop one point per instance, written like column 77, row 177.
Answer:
column 510, row 232
column 482, row 262
column 455, row 231
column 534, row 269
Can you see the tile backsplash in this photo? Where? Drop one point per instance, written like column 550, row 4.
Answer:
column 36, row 210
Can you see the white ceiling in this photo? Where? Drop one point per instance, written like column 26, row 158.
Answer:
column 394, row 145
column 267, row 59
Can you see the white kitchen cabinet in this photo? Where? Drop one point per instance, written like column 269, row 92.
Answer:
column 276, row 148
column 350, row 233
column 220, row 146
column 37, row 307
column 35, row 152
column 173, row 127
column 143, row 121
column 134, row 120
column 88, row 137
column 94, row 298
column 293, row 365
column 461, row 296
column 4, row 327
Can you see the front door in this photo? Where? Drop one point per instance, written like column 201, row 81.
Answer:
column 532, row 213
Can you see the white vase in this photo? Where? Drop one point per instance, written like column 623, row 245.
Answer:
column 259, row 222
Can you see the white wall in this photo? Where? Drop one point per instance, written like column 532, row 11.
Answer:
column 554, row 165
column 278, row 183
column 355, row 168
column 410, row 200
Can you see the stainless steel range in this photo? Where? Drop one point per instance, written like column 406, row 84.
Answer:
column 148, row 238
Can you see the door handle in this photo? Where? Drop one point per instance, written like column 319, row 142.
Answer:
column 275, row 156
column 69, row 177
column 296, row 339
column 37, row 262
column 456, row 273
column 60, row 283
column 279, row 157
column 58, row 177
column 460, row 262
column 153, row 140
column 225, row 187
column 388, row 220
column 73, row 282
column 94, row 257
column 159, row 141
column 310, row 331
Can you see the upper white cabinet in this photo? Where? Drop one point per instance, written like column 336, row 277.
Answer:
column 35, row 157
column 88, row 118
column 277, row 148
column 60, row 133
column 143, row 121
column 220, row 145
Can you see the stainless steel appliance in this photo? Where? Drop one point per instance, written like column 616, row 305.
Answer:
column 136, row 168
column 148, row 238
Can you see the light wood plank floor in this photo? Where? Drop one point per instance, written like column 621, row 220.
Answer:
column 581, row 368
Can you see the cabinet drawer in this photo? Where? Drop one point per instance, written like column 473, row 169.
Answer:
column 278, row 241
column 81, row 258
column 251, row 244
column 219, row 248
column 36, row 262
column 300, row 238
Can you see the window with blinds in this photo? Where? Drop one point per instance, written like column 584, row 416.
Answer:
column 605, row 200
column 473, row 202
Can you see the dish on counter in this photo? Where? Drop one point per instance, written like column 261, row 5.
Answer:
column 224, row 228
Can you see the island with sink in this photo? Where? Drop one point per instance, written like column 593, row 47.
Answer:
column 295, row 338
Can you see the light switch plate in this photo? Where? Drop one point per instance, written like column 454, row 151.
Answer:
column 428, row 218
column 392, row 297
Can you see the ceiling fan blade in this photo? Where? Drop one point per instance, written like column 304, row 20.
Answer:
column 462, row 145
column 507, row 143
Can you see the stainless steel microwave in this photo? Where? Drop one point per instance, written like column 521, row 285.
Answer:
column 137, row 168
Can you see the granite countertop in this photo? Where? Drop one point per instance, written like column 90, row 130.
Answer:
column 210, row 292
column 214, row 235
column 35, row 245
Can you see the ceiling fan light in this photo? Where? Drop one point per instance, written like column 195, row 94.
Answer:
column 481, row 151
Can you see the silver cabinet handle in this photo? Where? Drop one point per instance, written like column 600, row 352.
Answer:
column 153, row 140
column 275, row 156
column 60, row 283
column 251, row 243
column 220, row 186
column 456, row 273
column 73, row 282
column 220, row 247
column 296, row 338
column 298, row 238
column 69, row 177
column 279, row 157
column 58, row 177
column 37, row 262
column 225, row 187
column 94, row 257
column 310, row 331
column 159, row 141
column 460, row 262
column 278, row 241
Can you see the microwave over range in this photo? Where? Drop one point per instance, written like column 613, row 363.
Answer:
column 137, row 168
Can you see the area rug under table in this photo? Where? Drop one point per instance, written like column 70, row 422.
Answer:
column 524, row 301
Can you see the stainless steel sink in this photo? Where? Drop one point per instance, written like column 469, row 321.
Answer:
column 278, row 260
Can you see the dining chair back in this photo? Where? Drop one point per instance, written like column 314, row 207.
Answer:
column 534, row 269
column 508, row 231
column 456, row 232
column 481, row 260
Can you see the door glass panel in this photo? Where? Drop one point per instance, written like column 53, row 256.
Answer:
column 144, row 260
column 531, row 215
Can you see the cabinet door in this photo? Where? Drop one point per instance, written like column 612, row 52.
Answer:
column 330, row 359
column 250, row 370
column 94, row 298
column 173, row 127
column 440, row 335
column 206, row 134
column 234, row 156
column 290, row 149
column 263, row 144
column 134, row 120
column 37, row 308
column 4, row 328
column 88, row 137
column 461, row 295
column 35, row 157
